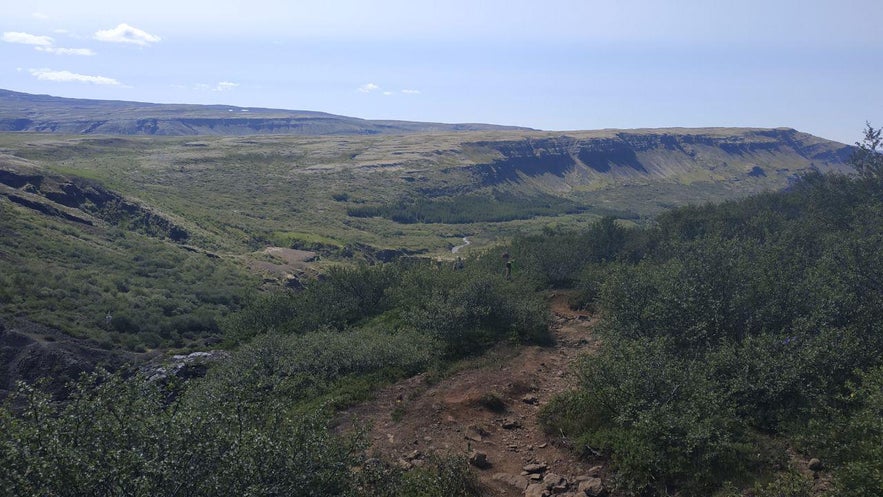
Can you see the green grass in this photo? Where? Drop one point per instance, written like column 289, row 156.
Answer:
column 72, row 278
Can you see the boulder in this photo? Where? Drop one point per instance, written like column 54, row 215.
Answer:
column 593, row 487
column 536, row 490
column 510, row 424
column 479, row 460
column 516, row 481
column 551, row 479
column 530, row 399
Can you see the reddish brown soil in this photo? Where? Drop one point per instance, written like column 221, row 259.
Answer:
column 450, row 416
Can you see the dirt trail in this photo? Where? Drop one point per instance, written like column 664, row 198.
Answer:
column 457, row 415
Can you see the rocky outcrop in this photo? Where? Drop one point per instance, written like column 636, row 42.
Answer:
column 184, row 366
column 658, row 153
column 30, row 351
column 65, row 197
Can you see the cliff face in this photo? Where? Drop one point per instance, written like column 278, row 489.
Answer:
column 661, row 154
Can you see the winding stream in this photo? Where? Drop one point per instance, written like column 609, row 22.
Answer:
column 466, row 243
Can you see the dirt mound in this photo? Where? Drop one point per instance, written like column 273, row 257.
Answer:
column 490, row 407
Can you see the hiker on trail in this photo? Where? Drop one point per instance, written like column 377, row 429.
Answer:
column 458, row 264
column 508, row 263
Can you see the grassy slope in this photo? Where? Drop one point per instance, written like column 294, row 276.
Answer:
column 237, row 195
column 234, row 194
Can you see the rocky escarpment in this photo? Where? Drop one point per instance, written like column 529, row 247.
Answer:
column 660, row 154
column 81, row 200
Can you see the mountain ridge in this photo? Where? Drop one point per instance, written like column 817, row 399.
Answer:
column 49, row 114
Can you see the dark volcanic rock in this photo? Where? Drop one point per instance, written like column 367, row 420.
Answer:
column 29, row 351
column 50, row 195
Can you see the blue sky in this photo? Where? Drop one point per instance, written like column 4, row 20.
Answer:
column 813, row 65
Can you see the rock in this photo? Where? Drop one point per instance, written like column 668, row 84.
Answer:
column 194, row 365
column 815, row 464
column 404, row 464
column 516, row 481
column 560, row 488
column 552, row 479
column 530, row 399
column 535, row 468
column 414, row 455
column 593, row 487
column 475, row 433
column 596, row 471
column 536, row 490
column 510, row 424
column 479, row 460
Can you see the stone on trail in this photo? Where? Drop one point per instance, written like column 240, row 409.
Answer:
column 536, row 490
column 479, row 460
column 593, row 487
column 516, row 481
column 535, row 468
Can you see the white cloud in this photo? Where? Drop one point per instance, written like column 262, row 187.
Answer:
column 40, row 15
column 26, row 39
column 387, row 93
column 411, row 92
column 225, row 85
column 126, row 34
column 368, row 88
column 222, row 86
column 66, row 51
column 67, row 76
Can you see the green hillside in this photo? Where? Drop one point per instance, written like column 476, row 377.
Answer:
column 145, row 244
column 741, row 355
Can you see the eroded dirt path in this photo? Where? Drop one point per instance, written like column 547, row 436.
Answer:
column 457, row 415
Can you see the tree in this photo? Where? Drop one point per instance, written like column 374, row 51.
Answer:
column 868, row 159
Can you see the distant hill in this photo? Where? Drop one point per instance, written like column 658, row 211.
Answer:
column 48, row 114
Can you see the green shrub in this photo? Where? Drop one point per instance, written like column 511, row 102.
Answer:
column 850, row 440
column 440, row 477
column 124, row 437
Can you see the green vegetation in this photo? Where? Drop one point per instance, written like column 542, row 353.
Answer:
column 257, row 423
column 156, row 294
column 746, row 326
column 119, row 436
column 731, row 332
column 497, row 207
column 466, row 310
